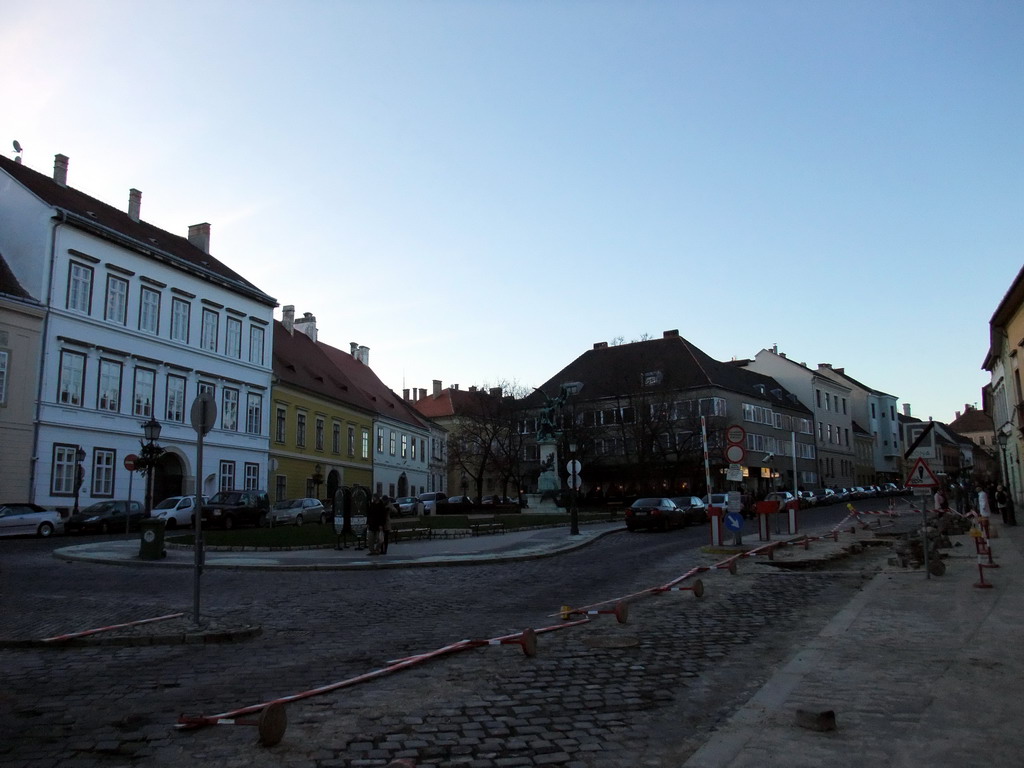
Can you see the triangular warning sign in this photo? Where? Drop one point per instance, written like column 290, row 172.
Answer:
column 921, row 476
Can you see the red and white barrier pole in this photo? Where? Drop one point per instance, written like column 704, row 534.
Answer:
column 87, row 632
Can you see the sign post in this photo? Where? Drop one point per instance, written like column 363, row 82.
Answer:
column 130, row 463
column 203, row 416
column 923, row 481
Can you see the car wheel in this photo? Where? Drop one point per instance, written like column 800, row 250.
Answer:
column 45, row 530
column 298, row 519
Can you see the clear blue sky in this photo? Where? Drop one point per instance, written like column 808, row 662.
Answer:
column 479, row 191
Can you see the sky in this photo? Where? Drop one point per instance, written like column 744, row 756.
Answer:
column 480, row 190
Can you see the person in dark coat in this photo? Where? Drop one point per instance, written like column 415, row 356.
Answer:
column 375, row 518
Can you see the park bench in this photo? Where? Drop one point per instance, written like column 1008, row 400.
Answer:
column 480, row 529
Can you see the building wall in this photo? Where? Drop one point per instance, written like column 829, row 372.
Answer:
column 21, row 326
column 392, row 466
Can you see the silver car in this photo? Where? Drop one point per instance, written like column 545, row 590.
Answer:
column 297, row 512
column 25, row 519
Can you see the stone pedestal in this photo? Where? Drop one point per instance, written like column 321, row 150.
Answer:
column 548, row 484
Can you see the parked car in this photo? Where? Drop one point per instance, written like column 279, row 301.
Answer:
column 459, row 503
column 807, row 498
column 25, row 519
column 297, row 512
column 107, row 517
column 785, row 498
column 655, row 513
column 228, row 509
column 433, row 502
column 176, row 511
column 695, row 512
column 409, row 505
column 823, row 496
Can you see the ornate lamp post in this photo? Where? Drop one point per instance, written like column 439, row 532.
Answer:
column 150, row 453
column 79, row 474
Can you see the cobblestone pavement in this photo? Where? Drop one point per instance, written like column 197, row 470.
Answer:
column 644, row 693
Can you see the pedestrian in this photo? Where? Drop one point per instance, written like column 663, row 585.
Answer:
column 375, row 524
column 1004, row 505
column 941, row 504
column 389, row 509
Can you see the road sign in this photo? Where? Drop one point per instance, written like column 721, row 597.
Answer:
column 920, row 436
column 575, row 481
column 130, row 462
column 573, row 467
column 735, row 434
column 734, row 474
column 734, row 521
column 204, row 413
column 735, row 454
column 921, row 476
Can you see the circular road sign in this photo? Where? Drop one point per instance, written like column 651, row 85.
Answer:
column 130, row 462
column 735, row 434
column 734, row 521
column 735, row 454
column 573, row 467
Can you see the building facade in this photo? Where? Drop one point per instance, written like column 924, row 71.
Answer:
column 138, row 322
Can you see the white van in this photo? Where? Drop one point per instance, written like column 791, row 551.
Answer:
column 176, row 511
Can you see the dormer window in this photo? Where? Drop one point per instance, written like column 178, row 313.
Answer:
column 652, row 378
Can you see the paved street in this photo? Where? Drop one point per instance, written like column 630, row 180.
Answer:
column 645, row 693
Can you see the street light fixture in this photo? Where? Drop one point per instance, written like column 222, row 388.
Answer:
column 1002, row 438
column 150, row 453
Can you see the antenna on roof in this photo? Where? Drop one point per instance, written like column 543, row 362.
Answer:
column 17, row 151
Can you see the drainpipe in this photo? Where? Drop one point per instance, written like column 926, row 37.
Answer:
column 45, row 350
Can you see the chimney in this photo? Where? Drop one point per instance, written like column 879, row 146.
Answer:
column 199, row 236
column 405, row 395
column 674, row 334
column 364, row 355
column 906, row 410
column 495, row 391
column 60, row 169
column 782, row 355
column 775, row 348
column 601, row 345
column 423, row 393
column 134, row 204
column 353, row 349
column 437, row 387
column 957, row 414
column 288, row 317
column 472, row 388
column 307, row 325
column 455, row 387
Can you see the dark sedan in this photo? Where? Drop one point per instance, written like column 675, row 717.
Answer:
column 654, row 513
column 106, row 517
column 694, row 510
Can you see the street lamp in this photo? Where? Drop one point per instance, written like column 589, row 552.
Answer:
column 79, row 473
column 150, row 452
column 1002, row 438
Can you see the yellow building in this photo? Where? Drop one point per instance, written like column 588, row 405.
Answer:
column 320, row 422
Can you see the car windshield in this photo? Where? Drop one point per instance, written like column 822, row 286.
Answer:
column 647, row 503
column 100, row 508
column 288, row 504
column 227, row 497
column 170, row 503
column 406, row 500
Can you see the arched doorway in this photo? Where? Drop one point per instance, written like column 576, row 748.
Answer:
column 403, row 485
column 333, row 481
column 168, row 477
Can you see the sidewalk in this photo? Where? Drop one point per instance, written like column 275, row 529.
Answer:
column 919, row 672
column 467, row 550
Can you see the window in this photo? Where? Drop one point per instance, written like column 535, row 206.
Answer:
column 4, row 358
column 280, row 430
column 175, row 398
column 252, row 476
column 366, row 444
column 391, row 442
column 413, row 446
column 380, row 439
column 142, row 401
column 319, row 434
column 281, row 487
column 208, row 388
column 80, row 288
column 712, row 406
column 423, row 450
column 405, row 446
column 336, row 439
column 208, row 334
column 300, row 430
column 179, row 320
column 254, row 414
column 103, row 472
column 108, row 398
column 226, row 481
column 62, row 479
column 116, row 310
column 256, row 345
column 70, row 387
column 149, row 311
column 229, row 413
column 233, row 338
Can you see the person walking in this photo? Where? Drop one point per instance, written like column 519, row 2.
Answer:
column 1004, row 504
column 375, row 525
column 385, row 527
column 985, row 512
